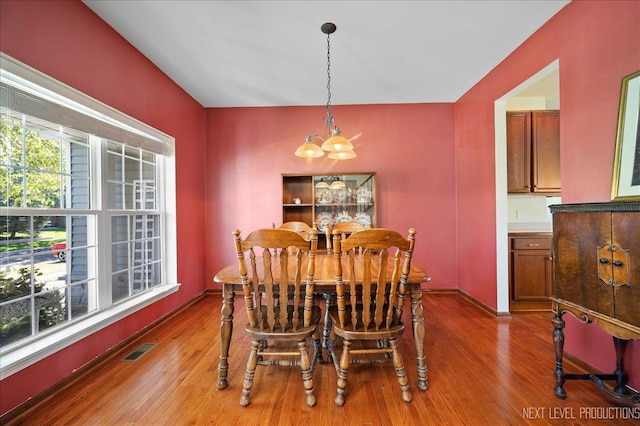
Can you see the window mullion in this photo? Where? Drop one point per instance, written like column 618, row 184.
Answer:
column 103, row 221
column 23, row 155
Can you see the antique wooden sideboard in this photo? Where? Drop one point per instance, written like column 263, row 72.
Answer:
column 596, row 251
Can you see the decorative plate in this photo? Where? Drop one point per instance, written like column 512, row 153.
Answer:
column 363, row 219
column 343, row 217
column 324, row 220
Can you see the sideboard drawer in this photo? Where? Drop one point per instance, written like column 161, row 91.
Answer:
column 532, row 243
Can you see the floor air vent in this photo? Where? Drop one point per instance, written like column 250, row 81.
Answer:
column 139, row 352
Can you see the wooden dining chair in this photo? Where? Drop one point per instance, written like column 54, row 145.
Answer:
column 279, row 301
column 370, row 301
column 301, row 228
column 345, row 229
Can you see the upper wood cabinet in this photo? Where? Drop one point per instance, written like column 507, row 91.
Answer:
column 533, row 152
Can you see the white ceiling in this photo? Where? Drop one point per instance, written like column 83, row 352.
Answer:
column 272, row 53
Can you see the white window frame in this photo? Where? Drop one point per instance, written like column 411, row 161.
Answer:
column 12, row 360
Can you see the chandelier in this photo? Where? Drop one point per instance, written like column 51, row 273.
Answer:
column 339, row 147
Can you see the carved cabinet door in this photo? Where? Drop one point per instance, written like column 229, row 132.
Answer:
column 625, row 231
column 579, row 271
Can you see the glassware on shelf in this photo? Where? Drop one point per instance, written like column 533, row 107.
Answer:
column 323, row 192
column 363, row 195
column 341, row 195
column 323, row 196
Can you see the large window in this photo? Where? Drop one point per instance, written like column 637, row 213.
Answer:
column 87, row 215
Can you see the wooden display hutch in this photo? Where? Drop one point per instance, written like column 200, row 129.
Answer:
column 596, row 251
column 305, row 198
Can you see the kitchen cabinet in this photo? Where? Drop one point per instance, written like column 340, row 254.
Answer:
column 530, row 272
column 329, row 199
column 533, row 152
column 597, row 279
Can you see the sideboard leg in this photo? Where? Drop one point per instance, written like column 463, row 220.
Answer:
column 558, row 341
column 621, row 376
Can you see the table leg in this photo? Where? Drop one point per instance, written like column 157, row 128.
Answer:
column 329, row 301
column 418, row 335
column 226, row 328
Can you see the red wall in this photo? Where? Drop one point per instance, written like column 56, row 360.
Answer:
column 434, row 162
column 409, row 146
column 596, row 43
column 67, row 41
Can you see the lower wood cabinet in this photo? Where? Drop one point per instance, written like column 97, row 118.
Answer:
column 530, row 272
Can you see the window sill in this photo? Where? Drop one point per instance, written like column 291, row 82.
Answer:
column 14, row 360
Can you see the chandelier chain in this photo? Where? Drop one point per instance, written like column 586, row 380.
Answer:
column 329, row 115
column 339, row 147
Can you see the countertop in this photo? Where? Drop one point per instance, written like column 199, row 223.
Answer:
column 530, row 228
column 530, row 232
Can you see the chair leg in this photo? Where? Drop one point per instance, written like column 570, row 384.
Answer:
column 331, row 346
column 307, row 373
column 317, row 350
column 343, row 369
column 252, row 363
column 400, row 371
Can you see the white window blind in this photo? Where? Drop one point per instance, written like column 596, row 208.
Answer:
column 58, row 106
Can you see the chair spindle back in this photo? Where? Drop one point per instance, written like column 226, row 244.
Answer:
column 381, row 296
column 270, row 256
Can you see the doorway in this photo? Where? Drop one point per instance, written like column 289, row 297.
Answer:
column 541, row 91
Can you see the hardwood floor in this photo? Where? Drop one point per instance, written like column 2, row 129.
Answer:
column 482, row 371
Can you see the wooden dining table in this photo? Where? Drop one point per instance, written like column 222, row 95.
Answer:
column 325, row 283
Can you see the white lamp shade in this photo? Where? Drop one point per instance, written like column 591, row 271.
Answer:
column 342, row 155
column 337, row 143
column 309, row 150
